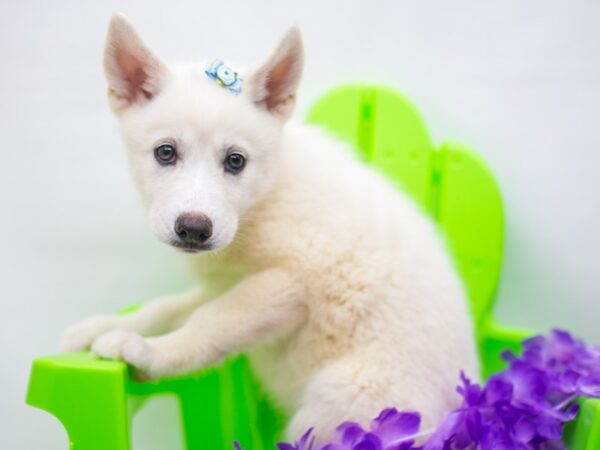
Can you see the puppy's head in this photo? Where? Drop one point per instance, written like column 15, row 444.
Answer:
column 201, row 155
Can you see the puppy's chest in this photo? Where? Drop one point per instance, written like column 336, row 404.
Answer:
column 217, row 275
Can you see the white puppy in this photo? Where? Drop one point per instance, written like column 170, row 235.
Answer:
column 334, row 282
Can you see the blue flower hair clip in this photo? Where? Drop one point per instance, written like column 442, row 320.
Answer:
column 224, row 76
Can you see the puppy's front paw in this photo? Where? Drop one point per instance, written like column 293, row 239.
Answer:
column 127, row 346
column 110, row 345
column 81, row 335
column 140, row 355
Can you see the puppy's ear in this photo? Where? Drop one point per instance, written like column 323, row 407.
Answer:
column 133, row 73
column 273, row 86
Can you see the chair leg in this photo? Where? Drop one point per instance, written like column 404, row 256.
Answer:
column 200, row 412
column 87, row 395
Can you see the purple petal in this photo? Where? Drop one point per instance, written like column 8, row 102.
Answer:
column 571, row 412
column 589, row 385
column 391, row 425
column 334, row 446
column 368, row 442
column 524, row 430
column 548, row 427
column 470, row 392
column 451, row 423
column 406, row 445
column 303, row 444
column 473, row 423
column 552, row 445
column 495, row 436
column 508, row 356
column 348, row 433
column 562, row 337
column 567, row 381
column 440, row 440
column 408, row 423
column 497, row 391
column 530, row 385
column 280, row 446
column 384, row 415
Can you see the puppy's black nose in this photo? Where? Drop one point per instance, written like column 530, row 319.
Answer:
column 193, row 228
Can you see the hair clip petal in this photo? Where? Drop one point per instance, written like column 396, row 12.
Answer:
column 224, row 76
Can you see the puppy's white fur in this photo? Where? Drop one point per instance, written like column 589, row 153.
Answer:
column 336, row 285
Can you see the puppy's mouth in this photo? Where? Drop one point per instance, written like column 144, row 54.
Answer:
column 191, row 247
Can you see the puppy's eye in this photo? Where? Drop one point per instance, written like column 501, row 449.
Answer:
column 165, row 154
column 235, row 162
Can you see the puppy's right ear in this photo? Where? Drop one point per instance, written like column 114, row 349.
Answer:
column 134, row 74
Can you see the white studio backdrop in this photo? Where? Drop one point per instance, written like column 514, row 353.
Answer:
column 518, row 81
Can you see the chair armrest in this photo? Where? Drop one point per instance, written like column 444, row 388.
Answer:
column 87, row 395
column 584, row 433
column 493, row 339
column 95, row 400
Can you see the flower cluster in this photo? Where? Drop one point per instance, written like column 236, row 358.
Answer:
column 524, row 407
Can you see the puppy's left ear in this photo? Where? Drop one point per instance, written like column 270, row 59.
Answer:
column 273, row 86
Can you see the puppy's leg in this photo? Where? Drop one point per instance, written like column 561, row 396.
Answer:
column 334, row 394
column 358, row 387
column 352, row 388
column 261, row 306
column 155, row 317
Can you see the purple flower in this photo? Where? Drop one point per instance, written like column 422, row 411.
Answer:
column 394, row 428
column 305, row 443
column 391, row 430
column 523, row 407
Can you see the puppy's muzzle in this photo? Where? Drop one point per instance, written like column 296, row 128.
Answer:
column 193, row 229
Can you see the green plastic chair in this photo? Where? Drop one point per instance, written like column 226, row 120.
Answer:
column 95, row 400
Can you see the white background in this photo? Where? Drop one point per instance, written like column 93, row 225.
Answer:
column 518, row 81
